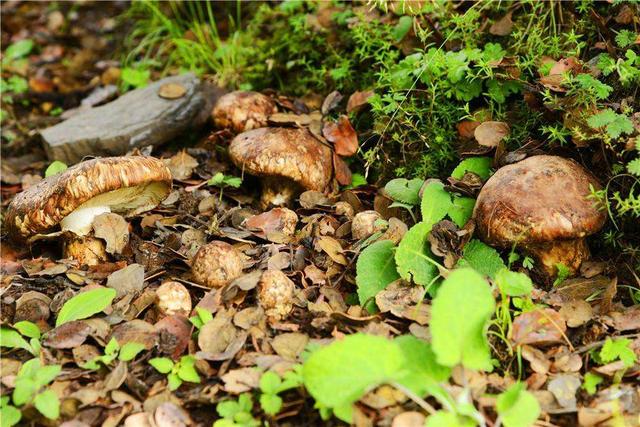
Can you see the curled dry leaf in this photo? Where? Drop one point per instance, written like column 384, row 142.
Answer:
column 503, row 26
column 181, row 165
column 341, row 170
column 542, row 326
column 332, row 248
column 576, row 313
column 113, row 229
column 358, row 99
column 489, row 134
column 555, row 79
column 276, row 222
column 169, row 414
column 342, row 135
column 240, row 380
column 67, row 335
column 331, row 102
column 537, row 359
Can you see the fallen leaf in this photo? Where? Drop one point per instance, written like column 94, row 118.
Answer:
column 291, row 345
column 342, row 135
column 358, row 99
column 113, row 229
column 137, row 331
column 503, row 26
column 489, row 134
column 174, row 333
column 332, row 248
column 127, row 280
column 67, row 335
column 576, row 313
column 216, row 335
column 241, row 380
column 564, row 388
column 542, row 326
column 181, row 165
column 330, row 102
column 277, row 221
column 408, row 419
column 341, row 170
column 169, row 414
column 171, row 91
column 627, row 320
column 537, row 359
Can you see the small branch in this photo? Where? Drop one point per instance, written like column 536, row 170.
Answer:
column 417, row 399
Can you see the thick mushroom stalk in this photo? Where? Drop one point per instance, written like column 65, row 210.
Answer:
column 287, row 160
column 543, row 206
column 86, row 250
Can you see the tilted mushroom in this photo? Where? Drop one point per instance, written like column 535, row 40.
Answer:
column 72, row 199
column 216, row 264
column 243, row 110
column 288, row 160
column 541, row 205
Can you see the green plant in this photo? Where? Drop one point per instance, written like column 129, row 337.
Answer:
column 30, row 386
column 85, row 305
column 54, row 168
column 134, row 77
column 221, row 180
column 177, row 372
column 236, row 413
column 591, row 382
column 201, row 317
column 113, row 351
column 517, row 407
column 271, row 385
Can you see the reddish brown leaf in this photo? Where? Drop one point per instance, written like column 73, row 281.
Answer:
column 279, row 220
column 503, row 26
column 343, row 136
column 358, row 99
column 541, row 326
column 341, row 170
column 67, row 335
column 174, row 334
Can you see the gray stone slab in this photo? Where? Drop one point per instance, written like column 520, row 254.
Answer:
column 138, row 118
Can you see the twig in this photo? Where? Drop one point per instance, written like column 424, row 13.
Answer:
column 417, row 399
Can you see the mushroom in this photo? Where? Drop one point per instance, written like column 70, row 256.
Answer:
column 365, row 224
column 288, row 160
column 275, row 294
column 73, row 198
column 541, row 204
column 242, row 111
column 216, row 264
column 173, row 298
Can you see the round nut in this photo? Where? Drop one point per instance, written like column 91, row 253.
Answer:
column 216, row 264
column 364, row 224
column 173, row 298
column 276, row 294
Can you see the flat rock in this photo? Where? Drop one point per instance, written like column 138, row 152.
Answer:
column 138, row 118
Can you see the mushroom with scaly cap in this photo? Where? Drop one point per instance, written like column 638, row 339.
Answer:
column 216, row 264
column 288, row 160
column 243, row 110
column 72, row 199
column 542, row 205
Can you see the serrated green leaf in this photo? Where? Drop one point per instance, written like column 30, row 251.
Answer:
column 618, row 349
column 633, row 167
column 517, row 407
column 482, row 258
column 513, row 284
column 591, row 381
column 481, row 166
column 339, row 374
column 375, row 269
column 435, row 204
column 28, row 329
column 130, row 350
column 55, row 168
column 459, row 315
column 48, row 404
column 164, row 365
column 404, row 190
column 461, row 210
column 614, row 123
column 85, row 305
column 413, row 254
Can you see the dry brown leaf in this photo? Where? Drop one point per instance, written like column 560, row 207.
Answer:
column 136, row 331
column 341, row 170
column 113, row 229
column 216, row 335
column 342, row 135
column 564, row 388
column 542, row 326
column 67, row 335
column 290, row 345
column 332, row 248
column 181, row 165
column 281, row 221
column 241, row 380
column 330, row 102
column 576, row 313
column 489, row 134
column 128, row 280
column 503, row 26
column 359, row 99
column 174, row 333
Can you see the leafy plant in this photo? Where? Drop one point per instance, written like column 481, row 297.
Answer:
column 14, row 338
column 30, row 386
column 134, row 77
column 271, row 385
column 591, row 382
column 481, row 257
column 414, row 259
column 201, row 317
column 615, row 124
column 85, row 305
column 375, row 269
column 177, row 372
column 517, row 407
column 236, row 413
column 55, row 168
column 618, row 349
column 113, row 351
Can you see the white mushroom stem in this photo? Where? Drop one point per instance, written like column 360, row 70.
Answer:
column 80, row 220
column 278, row 191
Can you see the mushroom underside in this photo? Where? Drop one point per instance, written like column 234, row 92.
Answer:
column 278, row 191
column 570, row 253
column 127, row 201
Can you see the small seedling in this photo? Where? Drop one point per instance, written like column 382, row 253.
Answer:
column 271, row 385
column 177, row 372
column 221, row 180
column 15, row 338
column 236, row 413
column 201, row 318
column 113, row 351
column 30, row 386
column 55, row 168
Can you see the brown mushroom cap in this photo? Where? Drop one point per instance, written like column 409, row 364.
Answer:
column 216, row 264
column 275, row 294
column 242, row 111
column 540, row 199
column 365, row 224
column 289, row 153
column 127, row 185
column 173, row 298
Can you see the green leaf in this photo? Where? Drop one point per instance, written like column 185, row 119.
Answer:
column 19, row 49
column 513, row 283
column 24, row 391
column 402, row 28
column 204, row 315
column 85, row 305
column 481, row 166
column 10, row 416
column 633, row 167
column 48, row 404
column 28, row 329
column 459, row 316
column 174, row 381
column 423, row 371
column 517, row 407
column 436, row 202
column 482, row 258
column 271, row 403
column 187, row 370
column 413, row 254
column 404, row 190
column 375, row 269
column 10, row 338
column 46, row 374
column 448, row 419
column 135, row 77
column 130, row 350
column 228, row 408
column 618, row 350
column 221, row 180
column 614, row 123
column 270, row 382
column 112, row 347
column 461, row 210
column 164, row 365
column 591, row 381
column 55, row 168
column 340, row 373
